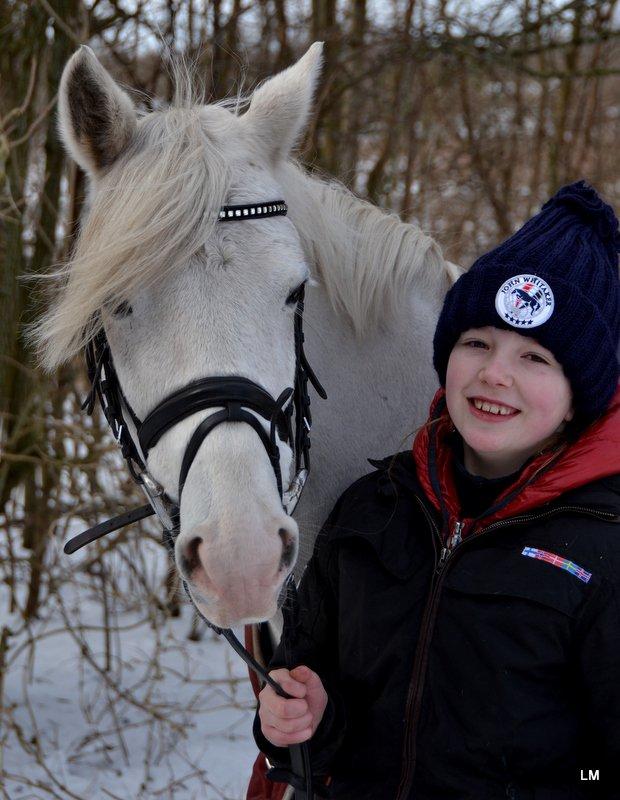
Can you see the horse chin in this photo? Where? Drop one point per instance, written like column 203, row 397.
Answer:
column 223, row 615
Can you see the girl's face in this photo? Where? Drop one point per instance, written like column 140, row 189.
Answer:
column 506, row 395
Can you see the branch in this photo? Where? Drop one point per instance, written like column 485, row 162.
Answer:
column 61, row 23
column 35, row 124
column 596, row 72
column 601, row 36
column 17, row 112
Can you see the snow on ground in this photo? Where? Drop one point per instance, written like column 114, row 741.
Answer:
column 169, row 719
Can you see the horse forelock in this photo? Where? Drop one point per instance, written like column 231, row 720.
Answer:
column 149, row 214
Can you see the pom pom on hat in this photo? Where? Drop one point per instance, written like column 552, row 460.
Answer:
column 556, row 280
column 582, row 199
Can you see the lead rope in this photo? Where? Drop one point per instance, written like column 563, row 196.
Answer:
column 300, row 753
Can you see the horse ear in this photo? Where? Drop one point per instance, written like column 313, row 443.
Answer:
column 96, row 118
column 280, row 108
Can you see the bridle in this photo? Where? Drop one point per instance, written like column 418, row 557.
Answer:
column 235, row 396
column 238, row 399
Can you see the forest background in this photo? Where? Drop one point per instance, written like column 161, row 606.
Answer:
column 463, row 116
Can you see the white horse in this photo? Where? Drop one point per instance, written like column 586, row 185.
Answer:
column 181, row 297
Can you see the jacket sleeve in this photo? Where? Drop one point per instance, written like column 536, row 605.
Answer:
column 600, row 670
column 315, row 644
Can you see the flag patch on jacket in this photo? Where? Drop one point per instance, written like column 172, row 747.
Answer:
column 558, row 561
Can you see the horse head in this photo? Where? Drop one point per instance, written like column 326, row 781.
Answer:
column 180, row 298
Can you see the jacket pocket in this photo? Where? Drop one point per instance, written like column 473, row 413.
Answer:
column 511, row 572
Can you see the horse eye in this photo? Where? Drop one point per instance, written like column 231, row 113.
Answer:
column 122, row 310
column 295, row 295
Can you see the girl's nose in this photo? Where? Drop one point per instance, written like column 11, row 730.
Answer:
column 495, row 373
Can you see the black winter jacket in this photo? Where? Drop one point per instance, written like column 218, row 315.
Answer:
column 478, row 669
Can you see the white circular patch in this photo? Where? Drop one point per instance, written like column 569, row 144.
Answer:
column 524, row 301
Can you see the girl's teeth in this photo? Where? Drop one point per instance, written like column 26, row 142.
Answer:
column 491, row 408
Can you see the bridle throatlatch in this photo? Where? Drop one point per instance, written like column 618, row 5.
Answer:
column 238, row 399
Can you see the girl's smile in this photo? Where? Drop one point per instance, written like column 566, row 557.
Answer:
column 507, row 395
column 491, row 410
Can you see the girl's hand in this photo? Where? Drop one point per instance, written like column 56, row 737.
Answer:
column 285, row 722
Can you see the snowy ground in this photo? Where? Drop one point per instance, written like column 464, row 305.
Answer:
column 131, row 710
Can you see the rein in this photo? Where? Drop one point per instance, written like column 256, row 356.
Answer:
column 238, row 400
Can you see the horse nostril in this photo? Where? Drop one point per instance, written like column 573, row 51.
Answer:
column 288, row 549
column 190, row 559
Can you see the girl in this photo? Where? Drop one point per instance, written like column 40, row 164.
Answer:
column 459, row 631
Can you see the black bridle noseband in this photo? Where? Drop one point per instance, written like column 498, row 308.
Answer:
column 238, row 399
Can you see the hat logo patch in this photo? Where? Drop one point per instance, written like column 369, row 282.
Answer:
column 524, row 301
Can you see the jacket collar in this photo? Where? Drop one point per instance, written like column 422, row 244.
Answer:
column 593, row 456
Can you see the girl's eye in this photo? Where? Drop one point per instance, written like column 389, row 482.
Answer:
column 475, row 343
column 536, row 358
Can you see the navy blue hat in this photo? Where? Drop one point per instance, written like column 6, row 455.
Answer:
column 556, row 280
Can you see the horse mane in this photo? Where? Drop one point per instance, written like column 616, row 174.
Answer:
column 368, row 259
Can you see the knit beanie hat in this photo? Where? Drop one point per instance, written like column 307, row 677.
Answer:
column 556, row 280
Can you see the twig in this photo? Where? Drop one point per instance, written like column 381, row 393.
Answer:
column 17, row 112
column 34, row 125
column 61, row 23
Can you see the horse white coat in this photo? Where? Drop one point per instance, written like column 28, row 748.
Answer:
column 182, row 298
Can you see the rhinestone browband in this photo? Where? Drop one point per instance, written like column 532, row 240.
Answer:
column 277, row 208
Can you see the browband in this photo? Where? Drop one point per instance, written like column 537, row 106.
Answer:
column 274, row 208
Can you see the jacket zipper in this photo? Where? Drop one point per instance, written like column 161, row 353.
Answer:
column 416, row 686
column 420, row 661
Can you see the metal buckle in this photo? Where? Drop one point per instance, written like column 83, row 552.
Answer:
column 291, row 496
column 156, row 496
